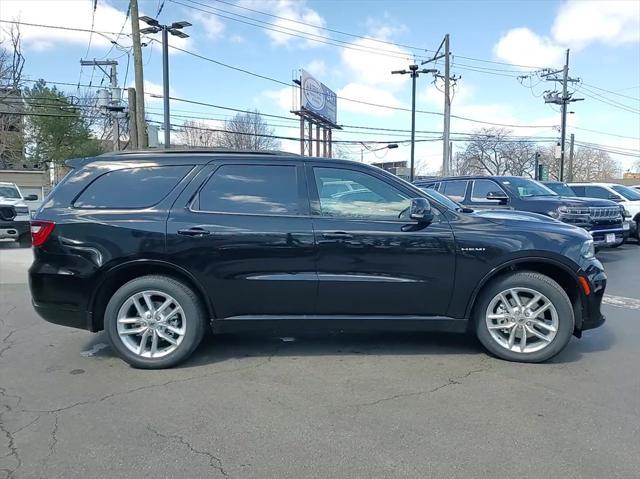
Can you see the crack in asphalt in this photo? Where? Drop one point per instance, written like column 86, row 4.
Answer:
column 54, row 437
column 13, row 449
column 455, row 380
column 214, row 461
column 7, row 345
column 148, row 386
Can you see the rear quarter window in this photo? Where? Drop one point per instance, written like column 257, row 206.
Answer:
column 131, row 188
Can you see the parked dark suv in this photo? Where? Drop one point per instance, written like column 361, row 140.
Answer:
column 156, row 247
column 602, row 218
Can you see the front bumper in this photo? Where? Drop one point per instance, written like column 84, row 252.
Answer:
column 13, row 229
column 592, row 316
column 603, row 238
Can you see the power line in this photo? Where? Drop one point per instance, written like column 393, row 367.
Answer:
column 615, row 93
column 364, row 37
column 294, row 32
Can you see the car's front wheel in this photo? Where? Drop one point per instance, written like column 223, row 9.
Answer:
column 154, row 322
column 524, row 316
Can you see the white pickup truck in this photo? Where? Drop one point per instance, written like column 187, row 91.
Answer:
column 17, row 228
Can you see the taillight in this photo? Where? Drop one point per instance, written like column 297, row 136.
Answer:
column 40, row 231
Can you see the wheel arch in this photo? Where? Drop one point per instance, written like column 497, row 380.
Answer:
column 115, row 277
column 554, row 269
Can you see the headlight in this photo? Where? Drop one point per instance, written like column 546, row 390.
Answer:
column 555, row 213
column 587, row 251
column 625, row 212
column 21, row 210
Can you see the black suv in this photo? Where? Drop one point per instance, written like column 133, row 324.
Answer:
column 156, row 247
column 602, row 218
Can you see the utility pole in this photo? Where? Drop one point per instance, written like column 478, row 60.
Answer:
column 563, row 101
column 113, row 104
column 446, row 129
column 447, row 110
column 133, row 120
column 174, row 29
column 415, row 73
column 139, row 76
column 570, row 166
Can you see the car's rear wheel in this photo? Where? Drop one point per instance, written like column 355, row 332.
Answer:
column 524, row 316
column 154, row 322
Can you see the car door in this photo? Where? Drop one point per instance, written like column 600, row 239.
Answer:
column 593, row 191
column 242, row 228
column 480, row 188
column 372, row 260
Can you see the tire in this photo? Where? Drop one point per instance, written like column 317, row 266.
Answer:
column 526, row 284
column 184, row 325
column 24, row 241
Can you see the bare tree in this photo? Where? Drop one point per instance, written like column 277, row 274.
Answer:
column 484, row 153
column 198, row 134
column 11, row 102
column 589, row 164
column 248, row 131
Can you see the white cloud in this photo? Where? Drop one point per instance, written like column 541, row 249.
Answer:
column 237, row 39
column 524, row 47
column 213, row 26
column 366, row 65
column 283, row 97
column 317, row 68
column 384, row 28
column 72, row 14
column 612, row 22
column 292, row 12
column 577, row 24
column 369, row 94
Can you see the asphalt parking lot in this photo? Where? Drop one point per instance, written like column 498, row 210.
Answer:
column 334, row 406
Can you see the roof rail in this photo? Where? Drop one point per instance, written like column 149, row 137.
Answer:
column 182, row 151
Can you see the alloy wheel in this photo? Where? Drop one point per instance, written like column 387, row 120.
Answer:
column 151, row 324
column 522, row 320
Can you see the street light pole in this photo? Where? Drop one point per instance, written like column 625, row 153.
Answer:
column 415, row 73
column 174, row 29
column 165, row 86
column 390, row 146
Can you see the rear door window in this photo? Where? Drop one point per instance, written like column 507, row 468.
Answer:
column 131, row 188
column 251, row 189
column 456, row 190
column 597, row 192
column 578, row 190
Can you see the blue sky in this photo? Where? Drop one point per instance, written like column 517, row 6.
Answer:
column 604, row 38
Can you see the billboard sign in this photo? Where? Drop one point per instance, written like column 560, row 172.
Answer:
column 318, row 99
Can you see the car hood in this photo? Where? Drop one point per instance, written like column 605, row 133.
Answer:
column 597, row 202
column 513, row 215
column 12, row 201
column 512, row 220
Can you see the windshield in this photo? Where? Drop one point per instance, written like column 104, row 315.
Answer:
column 440, row 198
column 526, row 188
column 627, row 192
column 561, row 188
column 9, row 192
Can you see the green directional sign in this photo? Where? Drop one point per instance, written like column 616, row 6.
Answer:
column 543, row 172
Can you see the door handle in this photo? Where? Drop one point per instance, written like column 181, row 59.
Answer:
column 195, row 232
column 337, row 235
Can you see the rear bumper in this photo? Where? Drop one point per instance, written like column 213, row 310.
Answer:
column 72, row 318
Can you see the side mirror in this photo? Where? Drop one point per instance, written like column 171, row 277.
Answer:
column 498, row 196
column 614, row 197
column 420, row 211
column 31, row 197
